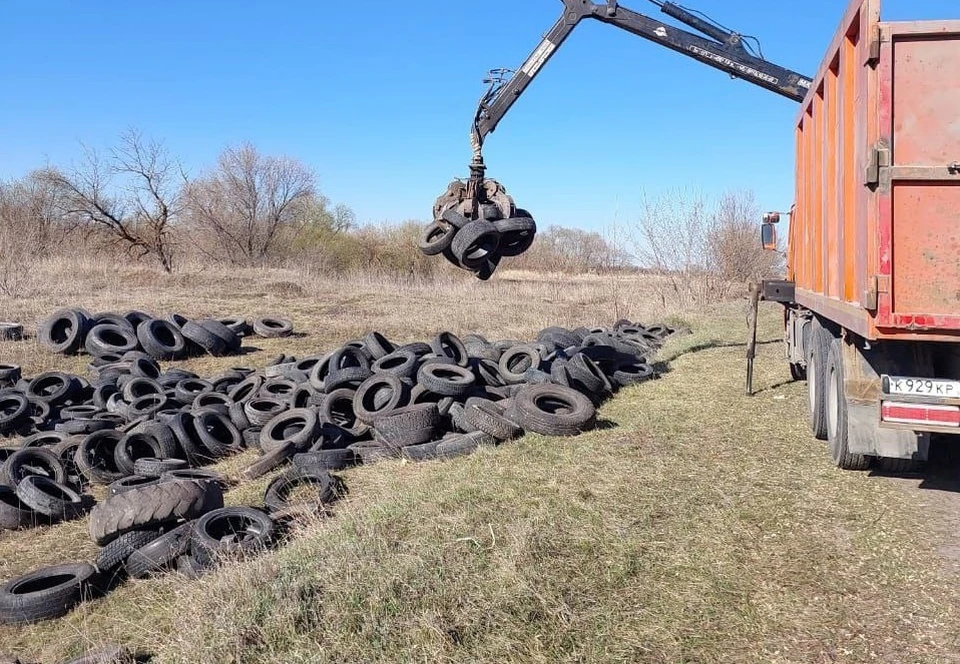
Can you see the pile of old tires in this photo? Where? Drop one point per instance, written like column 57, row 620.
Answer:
column 108, row 336
column 371, row 399
column 144, row 433
column 477, row 241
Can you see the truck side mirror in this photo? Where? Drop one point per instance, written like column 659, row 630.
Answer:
column 768, row 236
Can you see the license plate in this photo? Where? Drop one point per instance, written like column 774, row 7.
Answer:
column 925, row 387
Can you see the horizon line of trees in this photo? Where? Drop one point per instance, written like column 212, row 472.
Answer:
column 135, row 201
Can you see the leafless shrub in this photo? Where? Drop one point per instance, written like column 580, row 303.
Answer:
column 701, row 254
column 247, row 202
column 30, row 229
column 133, row 193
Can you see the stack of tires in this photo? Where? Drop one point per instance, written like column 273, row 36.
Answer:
column 108, row 337
column 477, row 241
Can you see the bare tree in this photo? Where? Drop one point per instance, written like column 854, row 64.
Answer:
column 134, row 193
column 671, row 240
column 30, row 227
column 734, row 240
column 701, row 254
column 248, row 200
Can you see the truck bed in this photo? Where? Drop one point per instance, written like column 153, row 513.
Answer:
column 875, row 232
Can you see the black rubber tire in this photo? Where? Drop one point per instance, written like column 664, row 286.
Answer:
column 45, row 593
column 261, row 410
column 276, row 497
column 454, row 446
column 488, row 417
column 203, row 338
column 10, row 374
column 153, row 467
column 326, row 459
column 819, row 349
column 297, row 426
column 338, row 409
column 111, row 557
column 378, row 345
column 160, row 553
column 517, row 233
column 185, row 431
column 436, row 238
column 145, row 407
column 246, row 389
column 236, row 324
column 632, row 373
column 129, row 483
column 474, row 243
column 52, row 387
column 13, row 513
column 137, row 387
column 32, row 461
column 272, row 327
column 216, row 433
column 152, row 506
column 107, row 338
column 196, row 475
column 553, row 410
column 230, row 532
column 64, row 331
column 273, row 459
column 14, row 409
column 188, row 389
column 95, row 457
column 421, row 452
column 50, row 498
column 586, row 376
column 162, row 340
column 515, row 362
column 447, row 344
column 410, row 425
column 148, row 440
column 378, row 395
column 232, row 342
column 449, row 380
column 837, row 431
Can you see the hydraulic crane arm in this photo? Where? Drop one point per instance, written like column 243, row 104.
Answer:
column 721, row 49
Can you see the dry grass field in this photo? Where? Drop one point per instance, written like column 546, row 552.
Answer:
column 698, row 526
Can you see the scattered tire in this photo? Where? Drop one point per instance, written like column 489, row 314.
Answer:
column 50, row 498
column 230, row 532
column 44, row 594
column 271, row 327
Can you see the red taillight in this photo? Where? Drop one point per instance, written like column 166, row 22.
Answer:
column 914, row 413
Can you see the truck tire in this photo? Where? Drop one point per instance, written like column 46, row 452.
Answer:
column 835, row 415
column 817, row 352
column 152, row 506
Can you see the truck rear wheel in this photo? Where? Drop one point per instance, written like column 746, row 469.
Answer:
column 817, row 350
column 836, row 413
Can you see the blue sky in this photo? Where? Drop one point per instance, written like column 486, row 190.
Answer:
column 377, row 96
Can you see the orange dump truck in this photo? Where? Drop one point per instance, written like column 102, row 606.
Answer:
column 872, row 292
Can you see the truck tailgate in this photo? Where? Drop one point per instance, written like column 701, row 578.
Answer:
column 920, row 182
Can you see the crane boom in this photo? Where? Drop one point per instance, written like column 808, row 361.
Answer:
column 721, row 49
